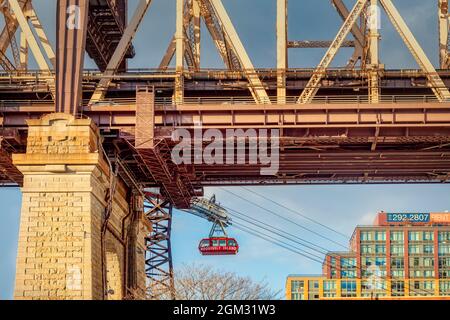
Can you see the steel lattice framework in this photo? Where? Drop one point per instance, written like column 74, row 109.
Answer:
column 361, row 123
column 159, row 255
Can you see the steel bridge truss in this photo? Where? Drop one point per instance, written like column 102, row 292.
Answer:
column 109, row 39
column 396, row 129
column 159, row 268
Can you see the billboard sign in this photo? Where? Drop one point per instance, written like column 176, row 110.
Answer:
column 408, row 217
column 440, row 218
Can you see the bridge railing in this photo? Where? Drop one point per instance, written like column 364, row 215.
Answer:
column 336, row 99
column 169, row 101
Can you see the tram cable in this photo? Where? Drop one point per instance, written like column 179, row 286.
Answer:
column 235, row 211
column 274, row 241
column 286, row 219
column 296, row 250
column 287, row 238
column 296, row 212
column 255, row 221
column 270, row 238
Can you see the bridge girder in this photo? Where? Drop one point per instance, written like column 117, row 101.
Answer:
column 383, row 134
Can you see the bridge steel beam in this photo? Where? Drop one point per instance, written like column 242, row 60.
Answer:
column 40, row 32
column 255, row 84
column 443, row 16
column 121, row 50
column 180, row 46
column 107, row 22
column 314, row 83
column 435, row 81
column 350, row 115
column 12, row 22
column 374, row 37
column 282, row 52
column 32, row 42
column 192, row 33
column 71, row 45
column 357, row 32
column 195, row 25
column 11, row 27
column 159, row 265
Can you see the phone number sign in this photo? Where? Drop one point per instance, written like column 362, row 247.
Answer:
column 408, row 217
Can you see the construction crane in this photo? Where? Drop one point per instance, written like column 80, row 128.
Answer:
column 218, row 243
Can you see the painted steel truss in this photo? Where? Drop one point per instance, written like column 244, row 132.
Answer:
column 434, row 80
column 20, row 15
column 159, row 268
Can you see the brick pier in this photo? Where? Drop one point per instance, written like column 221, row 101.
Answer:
column 63, row 253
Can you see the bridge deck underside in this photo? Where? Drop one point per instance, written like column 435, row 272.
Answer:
column 220, row 83
column 106, row 25
column 404, row 143
column 403, row 139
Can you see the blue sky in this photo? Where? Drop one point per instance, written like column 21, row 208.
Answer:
column 340, row 207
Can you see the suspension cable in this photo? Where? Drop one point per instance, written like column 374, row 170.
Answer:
column 305, row 254
column 286, row 219
column 296, row 212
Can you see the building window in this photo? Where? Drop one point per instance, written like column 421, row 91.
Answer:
column 332, row 261
column 366, row 261
column 297, row 296
column 348, row 263
column 397, row 249
column 397, row 263
column 417, row 274
column 333, row 273
column 380, row 235
column 367, row 249
column 397, row 235
column 428, row 236
column 414, row 236
column 297, row 290
column 422, row 288
column 444, row 236
column 297, row 286
column 329, row 285
column 348, row 274
column 444, row 249
column 417, row 285
column 380, row 261
column 428, row 262
column 398, row 288
column 428, row 249
column 380, row 248
column 398, row 273
column 428, row 285
column 313, row 284
column 415, row 262
column 366, row 236
column 444, row 262
column 428, row 274
column 348, row 288
column 444, row 287
column 414, row 249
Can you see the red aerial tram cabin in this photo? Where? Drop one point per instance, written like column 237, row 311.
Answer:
column 218, row 246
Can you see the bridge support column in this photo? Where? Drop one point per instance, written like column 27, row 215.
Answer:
column 75, row 218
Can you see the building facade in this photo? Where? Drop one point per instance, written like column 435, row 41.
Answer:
column 400, row 256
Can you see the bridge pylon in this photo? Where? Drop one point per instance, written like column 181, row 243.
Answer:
column 77, row 229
